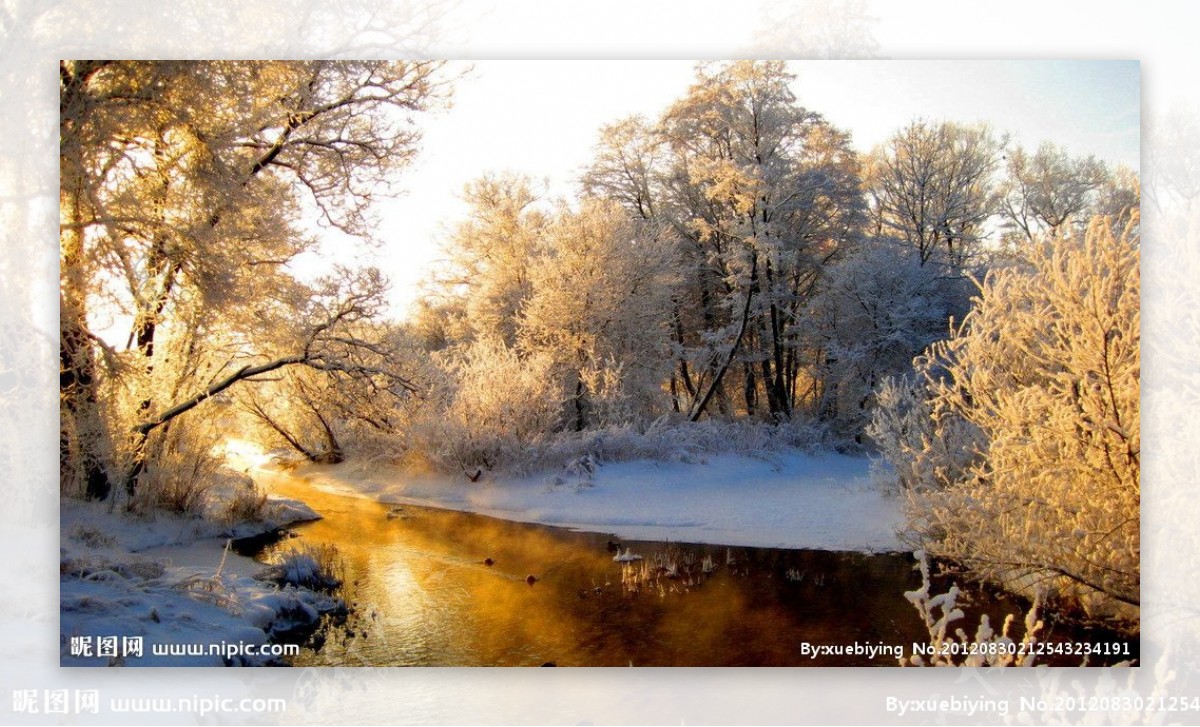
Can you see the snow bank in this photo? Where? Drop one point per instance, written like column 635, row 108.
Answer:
column 92, row 525
column 790, row 500
column 169, row 580
column 195, row 618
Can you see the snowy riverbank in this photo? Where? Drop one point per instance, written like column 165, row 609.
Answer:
column 790, row 500
column 171, row 580
column 166, row 586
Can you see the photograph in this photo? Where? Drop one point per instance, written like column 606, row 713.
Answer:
column 599, row 363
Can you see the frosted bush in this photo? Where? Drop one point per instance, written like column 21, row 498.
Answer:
column 318, row 568
column 956, row 648
column 456, row 447
column 246, row 504
column 497, row 405
column 1020, row 449
column 928, row 449
column 181, row 471
column 672, row 440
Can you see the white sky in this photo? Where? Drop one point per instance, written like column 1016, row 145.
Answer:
column 542, row 118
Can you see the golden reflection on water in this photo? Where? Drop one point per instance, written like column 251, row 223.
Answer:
column 423, row 594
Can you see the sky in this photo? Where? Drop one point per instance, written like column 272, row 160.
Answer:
column 542, row 118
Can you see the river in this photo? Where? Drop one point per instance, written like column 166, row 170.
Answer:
column 431, row 587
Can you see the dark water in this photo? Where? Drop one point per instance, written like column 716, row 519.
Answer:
column 422, row 594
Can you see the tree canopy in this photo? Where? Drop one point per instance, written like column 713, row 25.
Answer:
column 186, row 189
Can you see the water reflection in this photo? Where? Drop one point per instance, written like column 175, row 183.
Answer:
column 440, row 588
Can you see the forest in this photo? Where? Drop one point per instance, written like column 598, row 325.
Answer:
column 732, row 276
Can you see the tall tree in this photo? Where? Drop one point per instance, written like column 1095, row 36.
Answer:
column 873, row 313
column 764, row 193
column 627, row 161
column 1119, row 198
column 184, row 188
column 601, row 309
column 1044, row 192
column 490, row 256
column 932, row 188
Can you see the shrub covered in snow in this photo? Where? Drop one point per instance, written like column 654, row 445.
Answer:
column 498, row 410
column 928, row 446
column 1021, row 449
column 491, row 405
column 179, row 473
column 247, row 504
column 290, row 611
column 315, row 567
column 667, row 439
column 984, row 648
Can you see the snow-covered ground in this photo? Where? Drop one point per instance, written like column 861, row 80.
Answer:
column 791, row 500
column 171, row 581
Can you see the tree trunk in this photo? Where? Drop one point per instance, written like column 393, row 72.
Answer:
column 749, row 388
column 295, row 443
column 684, row 375
column 580, row 392
column 81, row 431
column 768, row 388
column 733, row 351
column 780, row 393
column 333, row 449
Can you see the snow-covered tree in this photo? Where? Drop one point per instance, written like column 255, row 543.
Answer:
column 490, row 255
column 1045, row 371
column 873, row 313
column 1120, row 197
column 761, row 193
column 183, row 185
column 601, row 307
column 628, row 158
column 932, row 188
column 1045, row 191
column 321, row 330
